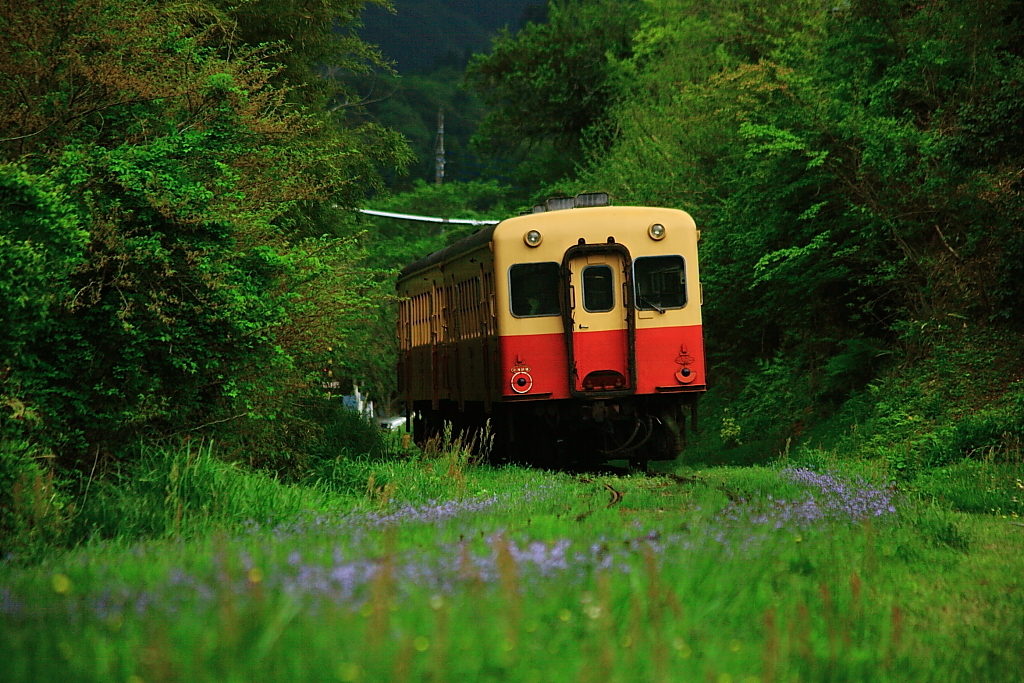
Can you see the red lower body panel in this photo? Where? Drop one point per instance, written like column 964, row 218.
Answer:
column 540, row 359
column 597, row 351
column 667, row 358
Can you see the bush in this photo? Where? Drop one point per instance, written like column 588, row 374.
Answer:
column 297, row 441
column 974, row 436
column 350, row 444
column 345, row 432
column 182, row 489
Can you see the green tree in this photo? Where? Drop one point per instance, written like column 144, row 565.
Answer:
column 925, row 110
column 203, row 292
column 312, row 39
column 851, row 167
column 684, row 136
column 551, row 83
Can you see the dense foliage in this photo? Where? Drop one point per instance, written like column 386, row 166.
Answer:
column 169, row 223
column 552, row 83
column 855, row 170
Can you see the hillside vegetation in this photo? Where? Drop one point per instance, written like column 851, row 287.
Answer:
column 173, row 265
column 855, row 170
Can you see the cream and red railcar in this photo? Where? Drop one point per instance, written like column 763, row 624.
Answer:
column 575, row 331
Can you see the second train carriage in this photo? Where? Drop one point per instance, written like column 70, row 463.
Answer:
column 576, row 331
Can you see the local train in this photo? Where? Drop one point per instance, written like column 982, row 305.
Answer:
column 575, row 330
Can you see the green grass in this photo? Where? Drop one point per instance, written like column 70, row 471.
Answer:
column 676, row 580
column 183, row 490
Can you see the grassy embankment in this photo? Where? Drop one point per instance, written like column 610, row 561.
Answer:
column 431, row 568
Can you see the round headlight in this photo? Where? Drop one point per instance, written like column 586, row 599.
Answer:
column 533, row 238
column 656, row 231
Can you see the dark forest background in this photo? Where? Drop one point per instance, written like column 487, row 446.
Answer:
column 420, row 35
column 429, row 44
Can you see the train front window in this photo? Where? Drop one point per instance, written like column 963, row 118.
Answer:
column 598, row 289
column 660, row 282
column 534, row 289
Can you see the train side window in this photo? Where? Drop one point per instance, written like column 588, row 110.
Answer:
column 533, row 288
column 660, row 282
column 598, row 289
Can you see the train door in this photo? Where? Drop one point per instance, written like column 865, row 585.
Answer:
column 598, row 322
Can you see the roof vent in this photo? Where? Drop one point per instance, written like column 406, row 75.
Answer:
column 589, row 199
column 559, row 203
column 580, row 201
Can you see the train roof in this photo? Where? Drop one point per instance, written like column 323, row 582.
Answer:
column 477, row 239
column 485, row 235
column 587, row 199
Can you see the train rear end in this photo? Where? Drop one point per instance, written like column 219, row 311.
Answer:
column 592, row 348
column 600, row 344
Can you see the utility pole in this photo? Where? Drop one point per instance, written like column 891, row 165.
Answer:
column 439, row 149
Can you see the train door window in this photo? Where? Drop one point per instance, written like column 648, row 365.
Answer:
column 660, row 282
column 487, row 304
column 598, row 289
column 533, row 288
column 420, row 307
column 404, row 324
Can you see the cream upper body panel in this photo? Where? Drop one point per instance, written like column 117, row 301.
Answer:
column 626, row 225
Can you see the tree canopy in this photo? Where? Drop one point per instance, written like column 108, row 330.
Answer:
column 855, row 168
column 166, row 188
column 551, row 83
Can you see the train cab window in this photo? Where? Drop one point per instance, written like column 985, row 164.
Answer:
column 534, row 289
column 598, row 289
column 660, row 282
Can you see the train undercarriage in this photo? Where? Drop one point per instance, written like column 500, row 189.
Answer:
column 566, row 434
